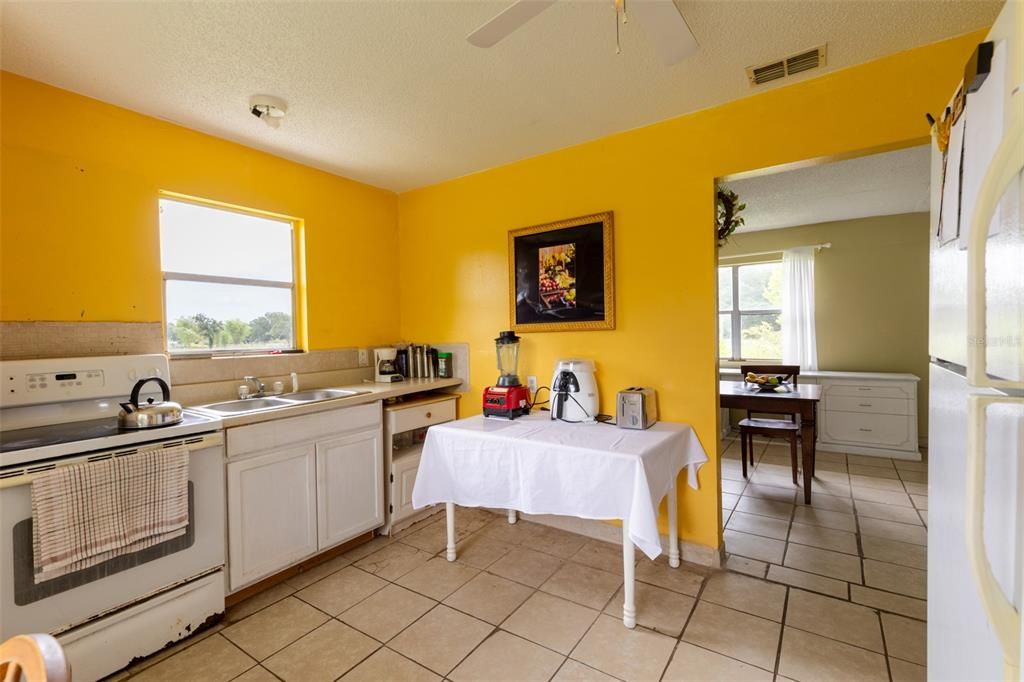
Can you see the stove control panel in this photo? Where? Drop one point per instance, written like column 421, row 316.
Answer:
column 60, row 380
column 63, row 382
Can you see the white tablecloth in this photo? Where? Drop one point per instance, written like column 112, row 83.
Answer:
column 539, row 466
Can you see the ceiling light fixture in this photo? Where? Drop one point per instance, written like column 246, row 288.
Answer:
column 268, row 109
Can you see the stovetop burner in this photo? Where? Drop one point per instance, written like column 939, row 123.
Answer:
column 74, row 432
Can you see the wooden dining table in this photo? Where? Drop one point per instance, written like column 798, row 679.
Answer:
column 802, row 400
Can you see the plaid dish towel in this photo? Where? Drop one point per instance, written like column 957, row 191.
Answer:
column 85, row 514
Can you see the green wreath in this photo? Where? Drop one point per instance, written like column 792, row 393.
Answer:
column 727, row 215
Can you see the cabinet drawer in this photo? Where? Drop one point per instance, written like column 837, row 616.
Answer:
column 417, row 416
column 861, row 390
column 282, row 432
column 867, row 403
column 871, row 429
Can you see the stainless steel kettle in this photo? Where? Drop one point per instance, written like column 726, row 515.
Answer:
column 151, row 413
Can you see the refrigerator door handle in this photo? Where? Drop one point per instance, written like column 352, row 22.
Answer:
column 1006, row 165
column 1005, row 619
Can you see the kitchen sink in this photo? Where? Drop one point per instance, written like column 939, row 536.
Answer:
column 320, row 394
column 242, row 406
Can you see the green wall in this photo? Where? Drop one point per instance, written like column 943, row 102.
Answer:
column 870, row 292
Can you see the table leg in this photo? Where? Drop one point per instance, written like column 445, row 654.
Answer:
column 629, row 577
column 807, row 452
column 512, row 517
column 673, row 524
column 449, row 512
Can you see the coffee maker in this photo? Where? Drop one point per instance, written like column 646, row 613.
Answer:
column 385, row 368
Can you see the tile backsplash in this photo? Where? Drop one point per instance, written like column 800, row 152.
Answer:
column 203, row 380
column 30, row 340
column 195, row 380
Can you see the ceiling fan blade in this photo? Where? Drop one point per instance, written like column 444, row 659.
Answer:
column 665, row 27
column 511, row 18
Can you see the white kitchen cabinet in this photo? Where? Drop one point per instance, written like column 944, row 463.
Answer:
column 271, row 512
column 349, row 486
column 403, row 479
column 406, row 424
column 300, row 485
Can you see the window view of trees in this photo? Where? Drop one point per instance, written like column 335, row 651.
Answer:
column 199, row 331
column 750, row 317
column 223, row 270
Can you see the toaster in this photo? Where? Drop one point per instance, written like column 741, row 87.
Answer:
column 636, row 408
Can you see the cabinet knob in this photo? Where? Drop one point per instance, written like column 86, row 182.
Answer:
column 428, row 415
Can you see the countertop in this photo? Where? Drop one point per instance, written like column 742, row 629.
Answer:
column 374, row 393
column 823, row 374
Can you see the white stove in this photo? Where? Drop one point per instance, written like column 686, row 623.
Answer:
column 59, row 412
column 36, row 443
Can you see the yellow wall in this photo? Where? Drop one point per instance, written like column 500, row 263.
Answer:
column 870, row 292
column 659, row 181
column 79, row 229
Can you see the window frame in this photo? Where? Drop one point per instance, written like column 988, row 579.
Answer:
column 297, row 290
column 736, row 314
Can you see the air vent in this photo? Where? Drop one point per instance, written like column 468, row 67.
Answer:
column 794, row 64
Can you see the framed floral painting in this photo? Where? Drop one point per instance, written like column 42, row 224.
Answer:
column 562, row 275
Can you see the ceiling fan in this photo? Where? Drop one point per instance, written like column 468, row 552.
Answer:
column 661, row 20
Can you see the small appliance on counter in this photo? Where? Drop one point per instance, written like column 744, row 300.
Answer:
column 636, row 408
column 509, row 399
column 385, row 365
column 574, row 391
column 150, row 413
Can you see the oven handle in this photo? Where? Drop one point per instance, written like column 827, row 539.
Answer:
column 18, row 476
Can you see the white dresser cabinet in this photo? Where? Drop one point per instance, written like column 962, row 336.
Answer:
column 870, row 414
column 300, row 485
column 405, row 428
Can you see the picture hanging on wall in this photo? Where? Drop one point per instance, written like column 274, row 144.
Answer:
column 562, row 275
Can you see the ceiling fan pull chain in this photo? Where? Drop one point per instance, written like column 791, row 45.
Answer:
column 620, row 5
column 625, row 15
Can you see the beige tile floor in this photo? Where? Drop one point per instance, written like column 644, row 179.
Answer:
column 828, row 592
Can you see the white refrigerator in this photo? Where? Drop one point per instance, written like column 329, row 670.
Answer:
column 976, row 393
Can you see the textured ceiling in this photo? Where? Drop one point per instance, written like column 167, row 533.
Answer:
column 880, row 184
column 390, row 92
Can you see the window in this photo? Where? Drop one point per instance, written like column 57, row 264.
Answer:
column 749, row 311
column 229, row 279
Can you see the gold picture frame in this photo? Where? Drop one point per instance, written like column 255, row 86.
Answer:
column 553, row 269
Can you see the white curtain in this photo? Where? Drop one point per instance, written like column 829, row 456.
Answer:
column 799, row 344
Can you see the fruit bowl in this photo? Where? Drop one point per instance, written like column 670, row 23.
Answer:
column 764, row 383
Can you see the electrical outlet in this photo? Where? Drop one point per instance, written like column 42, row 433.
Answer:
column 531, row 384
column 364, row 357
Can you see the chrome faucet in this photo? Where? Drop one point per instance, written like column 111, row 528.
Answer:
column 257, row 384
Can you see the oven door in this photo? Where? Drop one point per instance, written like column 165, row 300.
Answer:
column 66, row 601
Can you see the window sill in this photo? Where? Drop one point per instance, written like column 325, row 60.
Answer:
column 206, row 355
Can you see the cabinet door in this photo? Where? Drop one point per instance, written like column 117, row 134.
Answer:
column 271, row 513
column 350, row 486
column 403, row 478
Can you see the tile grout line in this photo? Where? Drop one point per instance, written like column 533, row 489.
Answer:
column 782, row 633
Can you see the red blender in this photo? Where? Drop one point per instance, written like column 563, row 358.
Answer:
column 509, row 399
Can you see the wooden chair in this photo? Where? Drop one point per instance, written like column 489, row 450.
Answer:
column 787, row 428
column 40, row 658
